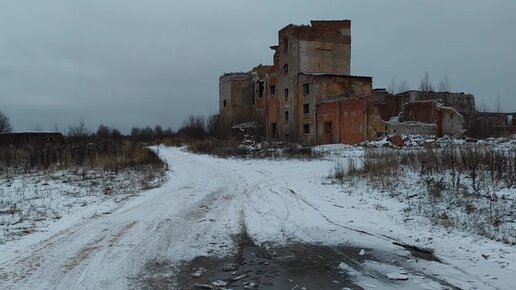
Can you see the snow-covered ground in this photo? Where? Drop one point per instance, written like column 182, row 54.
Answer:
column 30, row 202
column 206, row 200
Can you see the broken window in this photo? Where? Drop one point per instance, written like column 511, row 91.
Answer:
column 224, row 103
column 273, row 90
column 306, row 108
column 286, row 116
column 328, row 128
column 260, row 89
column 306, row 129
column 306, row 89
column 286, row 94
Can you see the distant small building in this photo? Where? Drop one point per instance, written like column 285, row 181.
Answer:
column 30, row 138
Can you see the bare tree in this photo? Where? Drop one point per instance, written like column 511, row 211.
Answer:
column 194, row 128
column 5, row 123
column 426, row 83
column 403, row 86
column 482, row 106
column 79, row 131
column 498, row 104
column 445, row 85
column 398, row 87
column 103, row 131
column 393, row 87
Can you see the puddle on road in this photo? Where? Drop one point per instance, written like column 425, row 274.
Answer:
column 292, row 267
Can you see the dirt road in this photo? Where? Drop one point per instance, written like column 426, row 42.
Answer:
column 203, row 210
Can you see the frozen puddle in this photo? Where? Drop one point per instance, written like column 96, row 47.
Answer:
column 303, row 266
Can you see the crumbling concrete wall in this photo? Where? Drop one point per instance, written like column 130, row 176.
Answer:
column 421, row 111
column 410, row 128
column 388, row 105
column 236, row 96
column 461, row 102
column 487, row 124
column 325, row 46
column 449, row 121
column 260, row 89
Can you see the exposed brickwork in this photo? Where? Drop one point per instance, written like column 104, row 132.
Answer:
column 419, row 111
column 388, row 105
column 348, row 119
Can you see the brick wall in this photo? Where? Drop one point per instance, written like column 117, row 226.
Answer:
column 348, row 118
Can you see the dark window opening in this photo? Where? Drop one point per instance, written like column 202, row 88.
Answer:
column 286, row 94
column 306, row 129
column 328, row 128
column 260, row 89
column 273, row 90
column 285, row 45
column 286, row 116
column 306, row 89
column 306, row 108
column 224, row 103
column 285, row 69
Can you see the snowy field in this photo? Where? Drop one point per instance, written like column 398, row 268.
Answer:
column 30, row 202
column 207, row 200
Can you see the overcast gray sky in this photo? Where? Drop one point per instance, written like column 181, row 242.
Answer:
column 129, row 63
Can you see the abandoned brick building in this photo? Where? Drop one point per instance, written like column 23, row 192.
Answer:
column 439, row 113
column 308, row 94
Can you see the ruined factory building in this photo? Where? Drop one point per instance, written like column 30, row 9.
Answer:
column 308, row 95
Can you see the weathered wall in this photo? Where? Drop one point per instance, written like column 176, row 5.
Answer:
column 449, row 121
column 348, row 118
column 410, row 128
column 260, row 89
column 236, row 96
column 423, row 111
column 461, row 102
column 318, row 56
column 388, row 105
column 325, row 88
column 486, row 124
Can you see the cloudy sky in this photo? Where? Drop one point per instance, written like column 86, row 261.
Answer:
column 131, row 63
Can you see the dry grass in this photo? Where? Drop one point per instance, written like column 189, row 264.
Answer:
column 461, row 187
column 108, row 155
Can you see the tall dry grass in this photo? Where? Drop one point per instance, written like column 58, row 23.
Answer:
column 462, row 187
column 108, row 155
